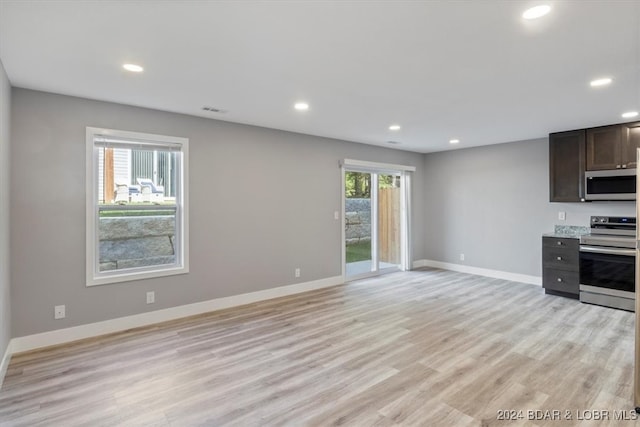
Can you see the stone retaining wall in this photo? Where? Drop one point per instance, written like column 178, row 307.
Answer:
column 357, row 220
column 137, row 241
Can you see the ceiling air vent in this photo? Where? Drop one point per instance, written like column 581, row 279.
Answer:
column 214, row 109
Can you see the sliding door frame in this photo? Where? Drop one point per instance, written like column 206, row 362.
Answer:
column 350, row 165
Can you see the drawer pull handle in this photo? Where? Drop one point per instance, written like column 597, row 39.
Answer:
column 559, row 258
column 559, row 279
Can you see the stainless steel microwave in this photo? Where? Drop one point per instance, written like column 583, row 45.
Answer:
column 618, row 184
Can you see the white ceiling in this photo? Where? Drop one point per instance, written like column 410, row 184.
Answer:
column 475, row 71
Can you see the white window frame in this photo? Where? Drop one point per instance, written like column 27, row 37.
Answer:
column 93, row 275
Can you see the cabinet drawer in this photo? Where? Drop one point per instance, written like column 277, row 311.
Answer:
column 561, row 280
column 558, row 242
column 562, row 258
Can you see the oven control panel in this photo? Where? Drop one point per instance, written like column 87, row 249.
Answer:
column 613, row 225
column 614, row 220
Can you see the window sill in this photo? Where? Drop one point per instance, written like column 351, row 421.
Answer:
column 119, row 277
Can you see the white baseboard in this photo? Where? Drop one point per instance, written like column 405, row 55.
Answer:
column 61, row 336
column 419, row 263
column 496, row 274
column 4, row 364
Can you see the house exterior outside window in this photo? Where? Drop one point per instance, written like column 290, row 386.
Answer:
column 137, row 206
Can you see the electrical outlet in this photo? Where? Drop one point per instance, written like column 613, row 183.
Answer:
column 562, row 216
column 336, row 215
column 59, row 312
column 461, row 257
column 297, row 272
column 151, row 297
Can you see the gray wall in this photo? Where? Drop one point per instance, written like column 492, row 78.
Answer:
column 5, row 307
column 254, row 193
column 492, row 204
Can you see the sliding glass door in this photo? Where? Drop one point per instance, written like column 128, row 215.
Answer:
column 358, row 217
column 375, row 221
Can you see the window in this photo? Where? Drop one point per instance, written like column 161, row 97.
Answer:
column 137, row 224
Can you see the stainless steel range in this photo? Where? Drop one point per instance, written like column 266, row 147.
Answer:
column 608, row 262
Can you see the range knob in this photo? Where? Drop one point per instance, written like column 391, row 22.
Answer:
column 603, row 219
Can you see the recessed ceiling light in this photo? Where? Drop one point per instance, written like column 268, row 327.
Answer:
column 394, row 127
column 133, row 68
column 301, row 106
column 630, row 114
column 601, row 82
column 454, row 141
column 536, row 11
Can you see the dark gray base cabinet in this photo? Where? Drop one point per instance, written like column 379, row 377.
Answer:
column 560, row 265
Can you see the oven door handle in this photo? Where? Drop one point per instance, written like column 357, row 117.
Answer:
column 608, row 251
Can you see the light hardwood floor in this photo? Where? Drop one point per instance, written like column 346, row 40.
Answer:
column 429, row 347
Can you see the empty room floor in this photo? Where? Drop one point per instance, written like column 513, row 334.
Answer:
column 427, row 347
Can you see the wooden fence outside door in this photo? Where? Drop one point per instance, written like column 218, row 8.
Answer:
column 389, row 225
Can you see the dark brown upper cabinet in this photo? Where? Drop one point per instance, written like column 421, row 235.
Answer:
column 613, row 147
column 630, row 143
column 566, row 166
column 604, row 150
